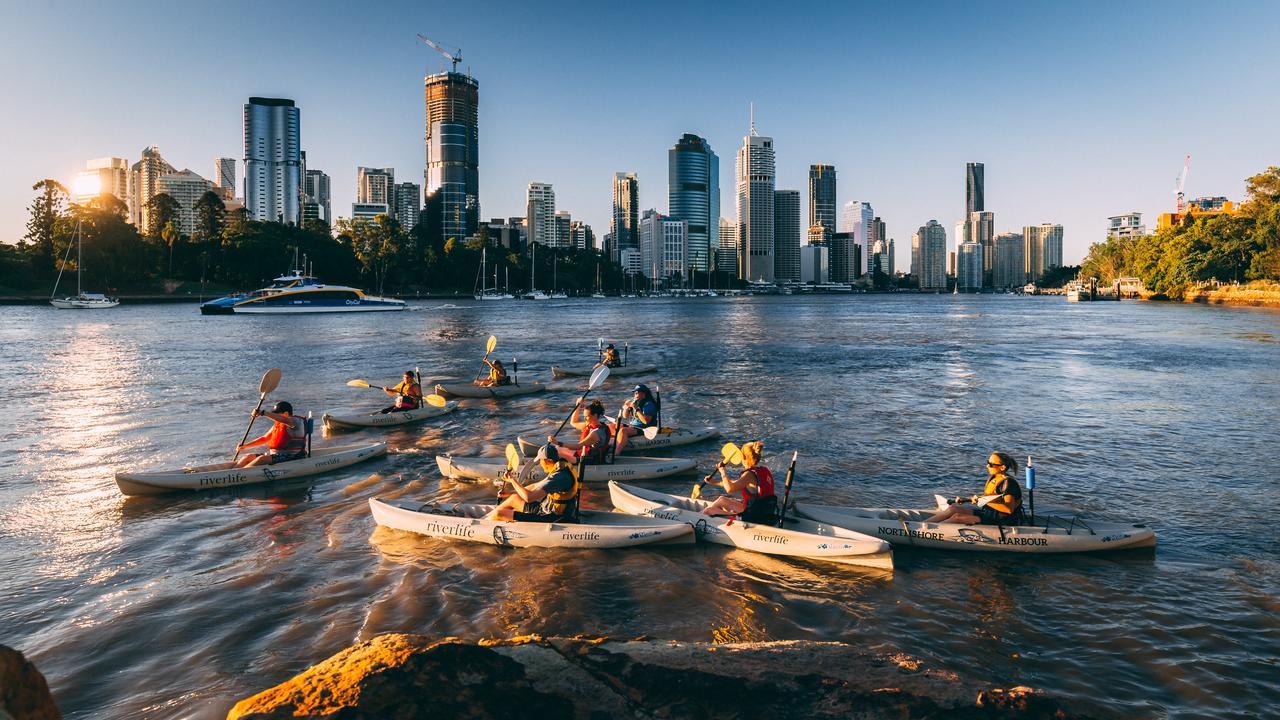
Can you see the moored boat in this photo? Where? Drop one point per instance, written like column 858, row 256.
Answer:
column 81, row 300
column 563, row 372
column 799, row 538
column 666, row 437
column 224, row 475
column 1051, row 533
column 623, row 468
column 495, row 392
column 356, row 419
column 466, row 522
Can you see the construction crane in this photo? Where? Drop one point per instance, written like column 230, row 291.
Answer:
column 454, row 57
column 1182, row 182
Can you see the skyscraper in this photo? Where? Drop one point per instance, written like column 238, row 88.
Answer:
column 1009, row 269
column 693, row 190
column 408, row 204
column 103, row 175
column 376, row 185
column 272, row 160
column 581, row 236
column 858, row 220
column 727, row 253
column 624, row 225
column 973, row 188
column 663, row 250
column 822, row 199
column 564, row 223
column 1042, row 249
column 541, row 214
column 929, row 256
column 755, row 175
column 786, row 236
column 452, row 143
column 224, row 177
column 844, row 258
column 969, row 267
column 144, row 179
column 982, row 230
column 317, row 203
column 185, row 187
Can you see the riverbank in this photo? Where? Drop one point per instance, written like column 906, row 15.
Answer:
column 1254, row 294
column 401, row 675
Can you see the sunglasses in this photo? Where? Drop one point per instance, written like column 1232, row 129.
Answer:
column 991, row 464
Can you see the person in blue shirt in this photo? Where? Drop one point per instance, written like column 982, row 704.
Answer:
column 638, row 413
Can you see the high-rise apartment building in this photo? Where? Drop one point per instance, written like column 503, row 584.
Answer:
column 376, row 185
column 624, row 225
column 316, row 197
column 1009, row 269
column 822, row 200
column 408, row 204
column 369, row 211
column 224, row 177
column 540, row 215
column 813, row 262
column 693, row 189
column 1128, row 225
column 858, row 219
column 564, row 222
column 452, row 143
column 969, row 267
column 973, row 188
column 144, row 179
column 982, row 230
column 786, row 236
column 272, row 160
column 101, row 176
column 663, row 248
column 844, row 258
column 185, row 187
column 580, row 236
column 755, row 179
column 929, row 256
column 727, row 253
column 1042, row 249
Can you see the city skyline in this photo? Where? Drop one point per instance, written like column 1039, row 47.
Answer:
column 1074, row 166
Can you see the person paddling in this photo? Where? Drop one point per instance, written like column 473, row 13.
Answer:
column 285, row 441
column 592, row 447
column 638, row 413
column 553, row 499
column 759, row 502
column 611, row 357
column 1006, row 506
column 497, row 374
column 408, row 394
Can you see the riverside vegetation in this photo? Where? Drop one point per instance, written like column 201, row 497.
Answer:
column 1188, row 260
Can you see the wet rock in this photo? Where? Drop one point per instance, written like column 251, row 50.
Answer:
column 24, row 695
column 405, row 677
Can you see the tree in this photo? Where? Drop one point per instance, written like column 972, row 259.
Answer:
column 378, row 244
column 162, row 209
column 210, row 217
column 49, row 205
column 170, row 236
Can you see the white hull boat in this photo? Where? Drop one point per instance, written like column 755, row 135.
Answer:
column 466, row 522
column 625, row 370
column 800, row 538
column 356, row 419
column 224, row 475
column 467, row 390
column 667, row 437
column 1063, row 533
column 85, row 301
column 623, row 468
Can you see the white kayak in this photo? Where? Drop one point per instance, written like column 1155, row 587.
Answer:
column 800, row 538
column 667, row 437
column 466, row 522
column 224, row 475
column 562, row 372
column 468, row 390
column 1064, row 533
column 355, row 419
column 628, row 468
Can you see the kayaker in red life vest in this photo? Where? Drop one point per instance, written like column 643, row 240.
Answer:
column 759, row 503
column 285, row 441
column 593, row 440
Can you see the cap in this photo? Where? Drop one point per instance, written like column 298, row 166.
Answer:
column 282, row 407
column 549, row 452
column 641, row 388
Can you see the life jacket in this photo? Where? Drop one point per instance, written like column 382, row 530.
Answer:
column 637, row 421
column 288, row 437
column 408, row 395
column 599, row 452
column 563, row 504
column 611, row 358
column 764, row 481
column 498, row 377
column 1003, row 485
column 762, row 507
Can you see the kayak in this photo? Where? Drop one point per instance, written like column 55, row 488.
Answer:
column 466, row 522
column 355, row 419
column 467, row 390
column 800, row 538
column 667, row 437
column 223, row 475
column 1060, row 533
column 630, row 468
column 560, row 372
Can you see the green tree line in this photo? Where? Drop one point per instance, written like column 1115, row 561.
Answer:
column 1227, row 247
column 229, row 250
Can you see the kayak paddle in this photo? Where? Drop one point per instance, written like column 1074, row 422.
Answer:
column 730, row 454
column 432, row 399
column 270, row 380
column 488, row 350
column 791, row 473
column 599, row 375
column 363, row 384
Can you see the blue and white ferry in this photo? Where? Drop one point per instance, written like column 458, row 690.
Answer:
column 297, row 293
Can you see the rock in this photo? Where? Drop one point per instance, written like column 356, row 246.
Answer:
column 24, row 695
column 406, row 677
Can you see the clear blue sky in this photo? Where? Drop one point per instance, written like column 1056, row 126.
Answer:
column 1080, row 110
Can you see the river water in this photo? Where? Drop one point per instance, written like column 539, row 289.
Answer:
column 176, row 606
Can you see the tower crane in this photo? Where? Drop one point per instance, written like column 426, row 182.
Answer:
column 454, row 57
column 1182, row 182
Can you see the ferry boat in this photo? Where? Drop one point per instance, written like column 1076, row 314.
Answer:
column 297, row 293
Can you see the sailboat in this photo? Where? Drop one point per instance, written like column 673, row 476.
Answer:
column 81, row 300
column 490, row 293
column 556, row 294
column 534, row 293
column 597, row 293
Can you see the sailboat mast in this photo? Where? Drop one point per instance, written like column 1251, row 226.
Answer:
column 79, row 258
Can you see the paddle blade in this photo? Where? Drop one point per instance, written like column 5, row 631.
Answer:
column 598, row 376
column 941, row 502
column 600, row 343
column 988, row 499
column 270, row 380
column 435, row 400
column 513, row 457
column 731, row 453
column 358, row 383
column 696, row 492
column 493, row 343
column 651, row 432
